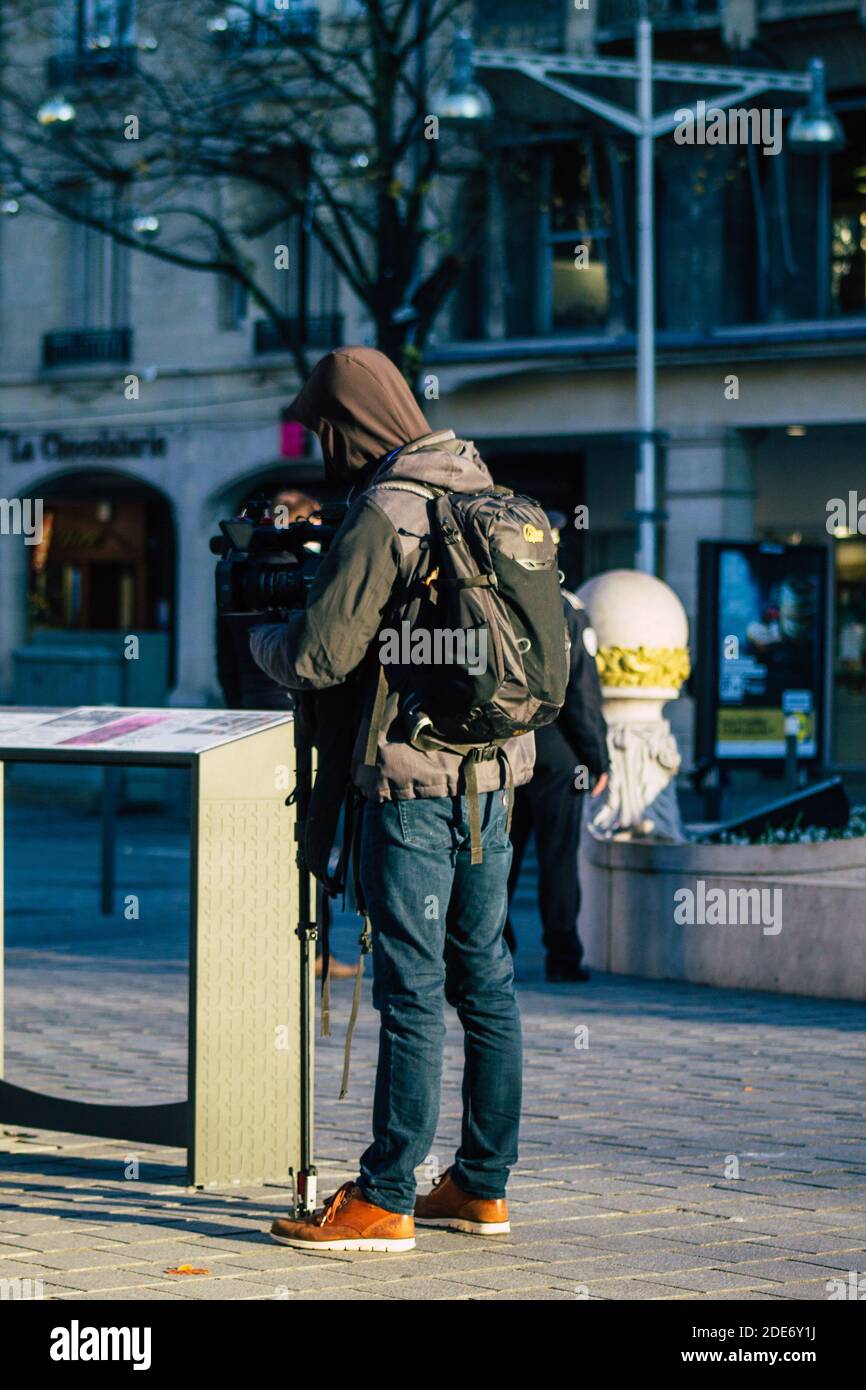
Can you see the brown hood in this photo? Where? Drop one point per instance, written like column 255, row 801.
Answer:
column 361, row 408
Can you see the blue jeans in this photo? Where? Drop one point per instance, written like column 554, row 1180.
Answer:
column 437, row 935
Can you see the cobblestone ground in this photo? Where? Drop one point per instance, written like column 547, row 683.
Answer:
column 625, row 1187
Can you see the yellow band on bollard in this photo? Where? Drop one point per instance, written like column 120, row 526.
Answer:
column 649, row 667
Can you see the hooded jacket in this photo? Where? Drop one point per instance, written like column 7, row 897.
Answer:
column 373, row 433
column 360, row 407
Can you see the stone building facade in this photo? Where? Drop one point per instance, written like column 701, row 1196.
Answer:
column 533, row 358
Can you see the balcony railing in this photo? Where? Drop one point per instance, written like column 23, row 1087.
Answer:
column 282, row 335
column 620, row 16
column 76, row 65
column 75, row 346
column 298, row 24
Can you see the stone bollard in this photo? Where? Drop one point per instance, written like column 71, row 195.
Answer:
column 643, row 660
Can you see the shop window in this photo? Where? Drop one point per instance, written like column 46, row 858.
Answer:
column 575, row 228
column 306, row 290
column 848, row 220
column 514, row 24
column 543, row 252
column 96, row 38
column 580, row 295
column 99, row 266
column 103, row 565
column 102, row 23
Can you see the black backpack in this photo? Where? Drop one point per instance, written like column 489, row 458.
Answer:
column 495, row 663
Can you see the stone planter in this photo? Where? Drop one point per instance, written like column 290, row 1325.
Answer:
column 800, row 930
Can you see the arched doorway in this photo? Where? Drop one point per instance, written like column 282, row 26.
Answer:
column 103, row 571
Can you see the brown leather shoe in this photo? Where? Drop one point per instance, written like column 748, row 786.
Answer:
column 448, row 1205
column 347, row 1222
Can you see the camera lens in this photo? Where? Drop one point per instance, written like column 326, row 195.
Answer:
column 273, row 586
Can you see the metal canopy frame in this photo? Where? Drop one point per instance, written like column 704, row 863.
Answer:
column 546, row 70
column 549, row 71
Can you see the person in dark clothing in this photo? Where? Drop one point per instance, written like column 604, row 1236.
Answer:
column 570, row 757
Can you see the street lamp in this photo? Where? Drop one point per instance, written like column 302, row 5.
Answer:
column 56, row 111
column 816, row 130
column 146, row 225
column 815, row 126
column 462, row 100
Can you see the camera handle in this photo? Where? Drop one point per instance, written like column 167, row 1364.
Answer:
column 305, row 1180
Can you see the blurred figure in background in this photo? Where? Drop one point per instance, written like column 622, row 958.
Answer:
column 570, row 758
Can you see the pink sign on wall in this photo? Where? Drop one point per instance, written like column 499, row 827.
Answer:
column 293, row 442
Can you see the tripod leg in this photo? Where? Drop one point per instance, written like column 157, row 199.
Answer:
column 306, row 931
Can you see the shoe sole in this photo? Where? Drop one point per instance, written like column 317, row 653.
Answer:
column 472, row 1228
column 380, row 1246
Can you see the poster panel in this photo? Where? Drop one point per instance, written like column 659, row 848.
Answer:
column 765, row 608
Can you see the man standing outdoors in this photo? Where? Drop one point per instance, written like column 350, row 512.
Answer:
column 570, row 758
column 437, row 917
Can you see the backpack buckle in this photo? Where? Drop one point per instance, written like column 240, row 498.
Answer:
column 485, row 754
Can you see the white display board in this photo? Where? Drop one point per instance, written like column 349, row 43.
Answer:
column 119, row 730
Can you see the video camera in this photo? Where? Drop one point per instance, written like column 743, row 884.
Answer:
column 264, row 565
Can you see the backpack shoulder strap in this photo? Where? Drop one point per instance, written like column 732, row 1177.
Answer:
column 410, row 485
column 380, row 696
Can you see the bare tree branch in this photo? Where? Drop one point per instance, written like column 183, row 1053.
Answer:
column 327, row 127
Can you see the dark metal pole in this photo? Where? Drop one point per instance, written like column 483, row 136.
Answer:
column 645, row 483
column 306, row 931
column 110, row 784
column 824, row 235
column 792, row 771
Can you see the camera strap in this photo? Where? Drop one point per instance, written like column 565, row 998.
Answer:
column 380, row 696
column 377, row 718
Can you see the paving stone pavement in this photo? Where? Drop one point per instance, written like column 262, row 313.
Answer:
column 678, row 1142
